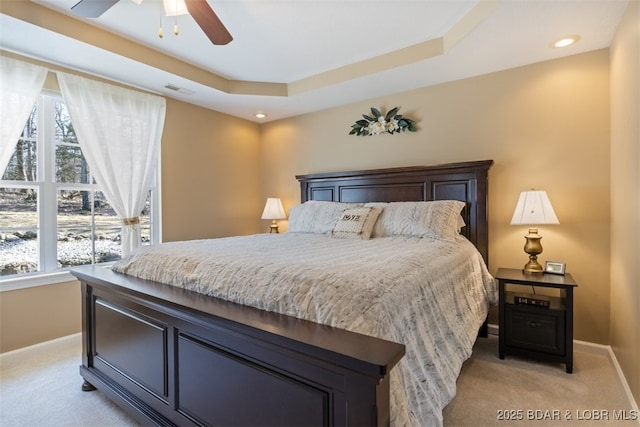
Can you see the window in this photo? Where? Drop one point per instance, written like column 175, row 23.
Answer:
column 52, row 213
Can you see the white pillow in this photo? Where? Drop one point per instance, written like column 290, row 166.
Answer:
column 356, row 223
column 439, row 219
column 318, row 217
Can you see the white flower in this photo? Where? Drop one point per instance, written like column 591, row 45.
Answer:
column 376, row 127
column 392, row 126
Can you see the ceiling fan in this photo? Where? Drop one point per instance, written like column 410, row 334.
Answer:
column 200, row 10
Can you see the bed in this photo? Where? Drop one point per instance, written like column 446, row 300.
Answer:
column 183, row 354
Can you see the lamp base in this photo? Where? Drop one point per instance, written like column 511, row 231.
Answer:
column 274, row 227
column 533, row 247
column 533, row 267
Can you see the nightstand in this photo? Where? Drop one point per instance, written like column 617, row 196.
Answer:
column 533, row 324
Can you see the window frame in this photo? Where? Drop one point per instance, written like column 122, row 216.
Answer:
column 47, row 207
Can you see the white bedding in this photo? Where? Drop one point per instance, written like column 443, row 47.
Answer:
column 430, row 295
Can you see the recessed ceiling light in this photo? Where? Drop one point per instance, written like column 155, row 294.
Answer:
column 566, row 41
column 261, row 115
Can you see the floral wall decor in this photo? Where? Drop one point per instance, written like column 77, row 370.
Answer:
column 379, row 123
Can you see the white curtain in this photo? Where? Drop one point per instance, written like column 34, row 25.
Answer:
column 119, row 131
column 20, row 85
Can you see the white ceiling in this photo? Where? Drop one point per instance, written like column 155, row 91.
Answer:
column 313, row 42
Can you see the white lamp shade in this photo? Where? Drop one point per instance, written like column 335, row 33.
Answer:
column 273, row 209
column 174, row 7
column 534, row 208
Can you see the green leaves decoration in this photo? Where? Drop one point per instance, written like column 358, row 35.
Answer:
column 378, row 123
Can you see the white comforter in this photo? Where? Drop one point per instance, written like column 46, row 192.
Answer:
column 431, row 296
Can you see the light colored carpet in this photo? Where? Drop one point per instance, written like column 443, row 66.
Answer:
column 538, row 392
column 40, row 386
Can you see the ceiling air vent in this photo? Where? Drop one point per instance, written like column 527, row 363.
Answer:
column 178, row 89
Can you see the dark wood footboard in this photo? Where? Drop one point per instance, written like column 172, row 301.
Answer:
column 175, row 357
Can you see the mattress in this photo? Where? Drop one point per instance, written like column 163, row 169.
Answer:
column 430, row 295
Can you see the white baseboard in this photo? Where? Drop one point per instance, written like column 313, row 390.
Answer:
column 57, row 341
column 602, row 350
column 493, row 329
column 607, row 351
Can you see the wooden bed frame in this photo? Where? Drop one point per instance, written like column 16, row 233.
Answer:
column 169, row 356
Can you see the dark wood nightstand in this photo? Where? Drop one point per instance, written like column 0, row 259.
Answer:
column 535, row 330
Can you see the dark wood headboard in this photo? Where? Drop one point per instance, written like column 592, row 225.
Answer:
column 466, row 181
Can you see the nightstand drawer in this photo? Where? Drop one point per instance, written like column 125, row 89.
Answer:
column 536, row 329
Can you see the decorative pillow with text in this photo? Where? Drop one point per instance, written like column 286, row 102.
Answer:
column 356, row 223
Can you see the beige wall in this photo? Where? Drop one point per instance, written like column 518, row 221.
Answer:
column 33, row 315
column 210, row 174
column 625, row 196
column 545, row 125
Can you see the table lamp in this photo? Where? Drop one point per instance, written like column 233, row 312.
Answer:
column 274, row 211
column 533, row 208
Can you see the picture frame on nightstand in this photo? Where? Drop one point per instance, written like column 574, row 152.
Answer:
column 554, row 267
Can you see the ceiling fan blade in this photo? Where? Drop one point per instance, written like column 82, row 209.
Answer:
column 207, row 19
column 92, row 8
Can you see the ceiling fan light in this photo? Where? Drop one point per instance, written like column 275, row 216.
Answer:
column 174, row 7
